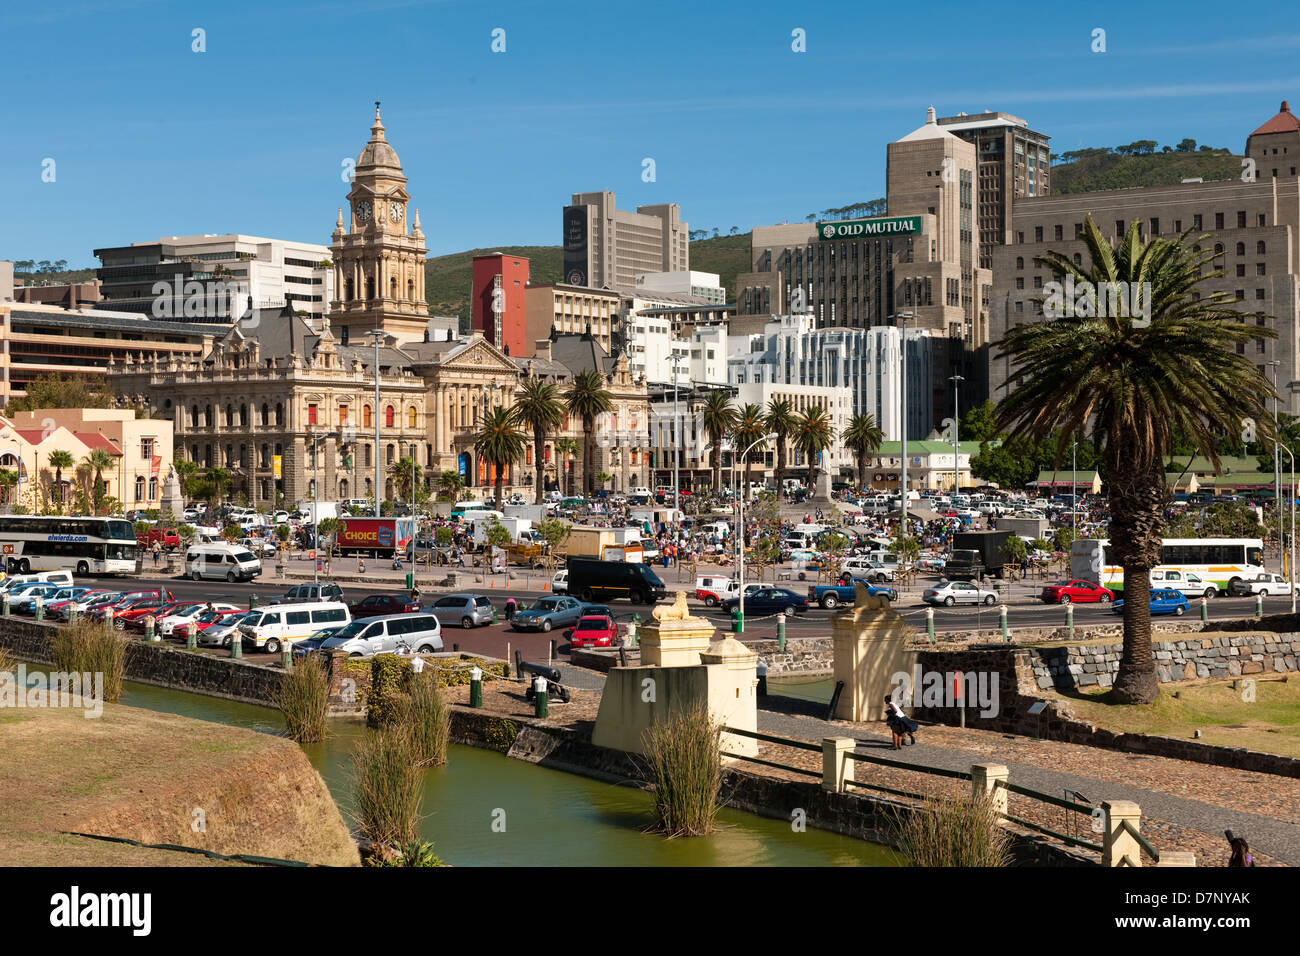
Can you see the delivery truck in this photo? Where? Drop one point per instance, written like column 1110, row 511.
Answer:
column 378, row 537
column 977, row 553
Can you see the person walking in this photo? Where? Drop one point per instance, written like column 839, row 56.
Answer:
column 899, row 722
column 157, row 553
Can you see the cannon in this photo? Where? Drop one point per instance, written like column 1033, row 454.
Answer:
column 554, row 688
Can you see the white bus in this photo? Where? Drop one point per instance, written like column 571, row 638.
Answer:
column 55, row 543
column 1218, row 561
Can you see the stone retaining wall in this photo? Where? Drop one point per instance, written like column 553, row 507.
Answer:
column 802, row 655
column 160, row 664
column 1205, row 655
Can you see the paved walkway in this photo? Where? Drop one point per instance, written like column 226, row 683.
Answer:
column 1263, row 807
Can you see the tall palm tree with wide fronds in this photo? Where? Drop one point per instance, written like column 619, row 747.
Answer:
column 1131, row 383
column 99, row 461
column 538, row 408
column 587, row 397
column 751, row 427
column 814, row 433
column 781, row 422
column 863, row 438
column 405, row 473
column 450, row 483
column 499, row 444
column 565, row 449
column 60, row 459
column 718, row 417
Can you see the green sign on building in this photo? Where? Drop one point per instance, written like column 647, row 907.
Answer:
column 858, row 228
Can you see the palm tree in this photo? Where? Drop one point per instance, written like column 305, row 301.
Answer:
column 60, row 459
column 1135, row 382
column 186, row 471
column 538, row 408
column 750, row 428
column 566, row 447
column 815, row 434
column 405, row 473
column 450, row 483
column 781, row 422
column 863, row 437
column 587, row 397
column 499, row 444
column 216, row 479
column 98, row 461
column 718, row 416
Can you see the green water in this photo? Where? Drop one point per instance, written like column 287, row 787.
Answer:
column 550, row 817
column 817, row 689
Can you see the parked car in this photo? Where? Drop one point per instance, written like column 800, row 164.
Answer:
column 220, row 632
column 188, row 614
column 463, row 610
column 1163, row 601
column 1077, row 591
column 949, row 593
column 547, row 613
column 560, row 583
column 88, row 602
column 24, row 602
column 422, row 633
column 770, row 601
column 281, row 624
column 309, row 644
column 39, row 577
column 593, row 630
column 324, row 591
column 1189, row 583
column 133, row 604
column 376, row 604
column 54, row 607
column 1263, row 584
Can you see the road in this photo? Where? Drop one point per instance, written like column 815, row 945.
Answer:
column 498, row 640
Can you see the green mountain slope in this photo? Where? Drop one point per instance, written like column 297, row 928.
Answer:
column 447, row 278
column 1089, row 170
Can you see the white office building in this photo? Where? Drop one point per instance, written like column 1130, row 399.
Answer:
column 706, row 286
column 865, row 362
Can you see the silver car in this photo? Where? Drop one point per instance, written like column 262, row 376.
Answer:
column 949, row 593
column 463, row 610
column 386, row 634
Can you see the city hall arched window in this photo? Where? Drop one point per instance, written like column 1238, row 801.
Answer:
column 388, row 416
column 410, row 417
column 366, row 416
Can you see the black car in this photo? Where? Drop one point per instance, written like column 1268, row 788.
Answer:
column 769, row 601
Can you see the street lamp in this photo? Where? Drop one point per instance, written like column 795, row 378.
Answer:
column 902, row 408
column 1291, row 563
column 316, row 437
column 956, row 412
column 379, row 337
column 677, row 483
column 1277, row 459
column 740, row 532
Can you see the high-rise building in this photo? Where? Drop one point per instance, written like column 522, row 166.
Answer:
column 497, row 311
column 213, row 278
column 606, row 247
column 1252, row 227
column 1014, row 162
column 378, row 258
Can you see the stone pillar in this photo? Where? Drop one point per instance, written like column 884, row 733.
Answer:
column 1177, row 858
column 837, row 768
column 1118, row 846
column 985, row 778
column 733, row 698
column 675, row 641
column 868, row 641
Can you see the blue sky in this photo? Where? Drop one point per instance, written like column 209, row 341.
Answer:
column 150, row 138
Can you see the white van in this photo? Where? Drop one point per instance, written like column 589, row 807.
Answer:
column 282, row 624
column 46, row 577
column 368, row 636
column 221, row 562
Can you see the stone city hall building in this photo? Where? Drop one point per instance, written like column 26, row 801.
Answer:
column 1254, row 226
column 286, row 402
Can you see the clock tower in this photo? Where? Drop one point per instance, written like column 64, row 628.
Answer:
column 379, row 256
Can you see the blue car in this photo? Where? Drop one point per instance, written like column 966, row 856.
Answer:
column 547, row 613
column 1163, row 601
column 769, row 601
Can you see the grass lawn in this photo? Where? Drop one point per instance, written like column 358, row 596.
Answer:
column 1271, row 723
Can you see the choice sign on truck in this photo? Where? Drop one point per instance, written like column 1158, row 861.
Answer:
column 381, row 535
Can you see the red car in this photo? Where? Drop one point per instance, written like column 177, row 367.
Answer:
column 212, row 618
column 134, row 618
column 136, row 604
column 595, row 630
column 1077, row 591
column 168, row 539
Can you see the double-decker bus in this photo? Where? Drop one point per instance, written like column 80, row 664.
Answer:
column 1219, row 561
column 83, row 545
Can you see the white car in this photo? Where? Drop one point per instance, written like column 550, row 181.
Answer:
column 1264, row 585
column 949, row 593
column 188, row 614
column 560, row 583
column 1190, row 584
column 259, row 546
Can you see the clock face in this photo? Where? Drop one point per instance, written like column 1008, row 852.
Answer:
column 395, row 212
column 363, row 211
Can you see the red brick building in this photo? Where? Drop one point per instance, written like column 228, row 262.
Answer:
column 497, row 301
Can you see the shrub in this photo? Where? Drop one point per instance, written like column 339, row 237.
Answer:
column 500, row 734
column 415, row 853
column 386, row 787
column 963, row 831
column 304, row 700
column 390, row 677
column 89, row 647
column 684, row 753
column 428, row 718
